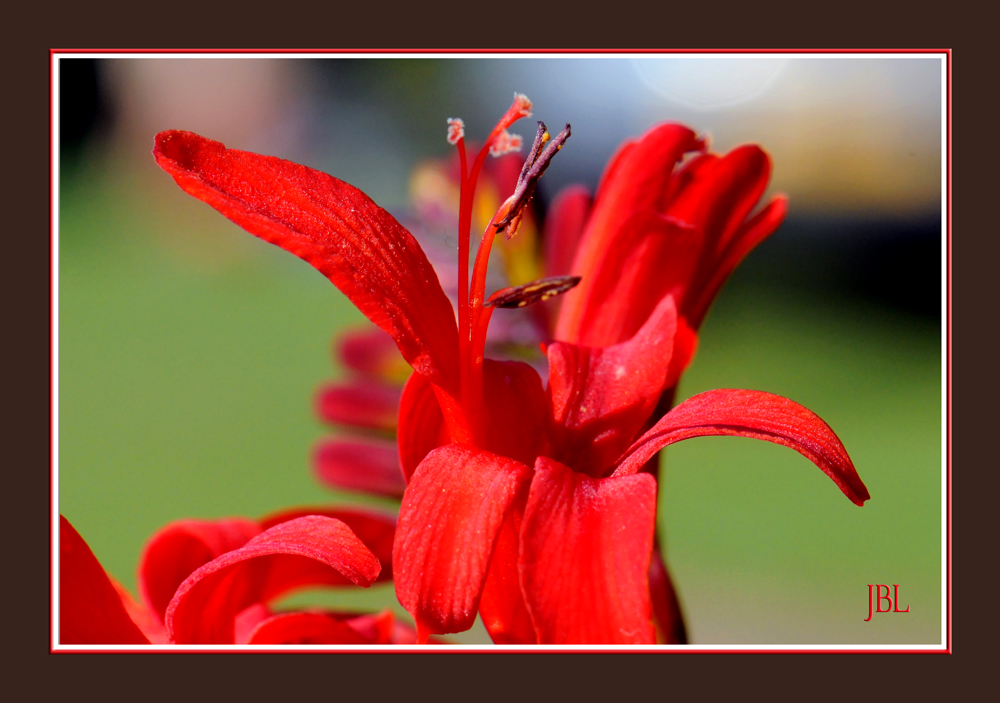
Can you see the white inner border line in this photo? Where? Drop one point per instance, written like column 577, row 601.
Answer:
column 55, row 58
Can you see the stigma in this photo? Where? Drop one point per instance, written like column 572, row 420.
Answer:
column 456, row 130
column 505, row 142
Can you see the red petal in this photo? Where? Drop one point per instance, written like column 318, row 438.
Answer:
column 305, row 628
column 636, row 180
column 502, row 605
column 150, row 623
column 666, row 608
column 722, row 195
column 716, row 197
column 751, row 414
column 448, row 525
column 405, row 634
column 359, row 246
column 373, row 527
column 377, row 628
column 247, row 621
column 90, row 609
column 685, row 344
column 517, row 412
column 693, row 171
column 601, row 397
column 177, row 550
column 564, row 225
column 369, row 465
column 421, row 424
column 312, row 550
column 750, row 234
column 614, row 164
column 585, row 551
column 362, row 403
column 371, row 352
column 651, row 256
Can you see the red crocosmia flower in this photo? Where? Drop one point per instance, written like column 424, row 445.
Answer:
column 524, row 503
column 209, row 582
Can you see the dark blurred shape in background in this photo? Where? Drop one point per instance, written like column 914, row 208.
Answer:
column 84, row 110
column 882, row 260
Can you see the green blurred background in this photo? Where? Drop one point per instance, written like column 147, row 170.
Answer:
column 189, row 351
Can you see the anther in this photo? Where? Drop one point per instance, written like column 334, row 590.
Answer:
column 543, row 149
column 534, row 292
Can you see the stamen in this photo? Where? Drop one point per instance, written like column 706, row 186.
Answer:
column 543, row 150
column 456, row 130
column 530, row 293
column 473, row 319
column 541, row 137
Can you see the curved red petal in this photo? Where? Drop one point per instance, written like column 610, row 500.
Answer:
column 585, row 551
column 685, row 345
column 564, row 226
column 755, row 414
column 174, row 552
column 359, row 246
column 637, row 179
column 721, row 195
column 368, row 465
column 610, row 173
column 693, row 171
column 376, row 529
column 421, row 424
column 602, row 396
column 363, row 403
column 305, row 627
column 90, row 608
column 652, row 256
column 307, row 551
column 448, row 525
column 748, row 236
column 517, row 413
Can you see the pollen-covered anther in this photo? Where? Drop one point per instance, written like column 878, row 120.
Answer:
column 505, row 142
column 534, row 292
column 456, row 130
column 543, row 149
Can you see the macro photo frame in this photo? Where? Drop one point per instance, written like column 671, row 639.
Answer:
column 716, row 243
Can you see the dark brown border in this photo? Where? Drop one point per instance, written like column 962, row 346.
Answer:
column 379, row 677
